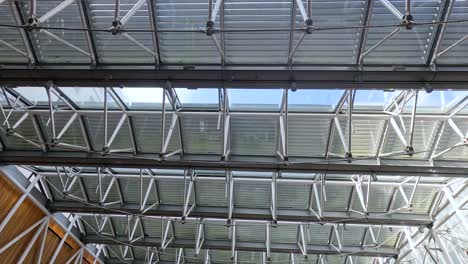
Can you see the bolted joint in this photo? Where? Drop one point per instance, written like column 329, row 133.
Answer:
column 308, row 25
column 116, row 27
column 409, row 150
column 54, row 142
column 408, row 21
column 32, row 24
column 349, row 157
column 105, row 151
column 10, row 132
column 209, row 28
column 465, row 141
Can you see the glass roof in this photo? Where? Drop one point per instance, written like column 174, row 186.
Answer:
column 266, row 33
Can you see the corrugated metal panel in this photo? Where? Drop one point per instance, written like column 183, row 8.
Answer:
column 250, row 47
column 284, row 233
column 292, row 196
column 96, row 126
column 248, row 195
column 307, row 136
column 187, row 47
column 73, row 135
column 50, row 50
column 319, row 234
column 117, row 48
column 10, row 35
column 148, row 133
column 201, row 135
column 211, row 193
column 408, row 46
column 388, row 236
column 453, row 33
column 172, row 192
column 26, row 129
column 254, row 135
column 121, row 226
column 424, row 134
column 279, row 257
column 250, row 232
column 332, row 46
column 169, row 254
column 364, row 139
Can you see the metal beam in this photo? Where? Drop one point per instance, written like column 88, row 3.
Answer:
column 307, row 77
column 246, row 246
column 320, row 165
column 396, row 219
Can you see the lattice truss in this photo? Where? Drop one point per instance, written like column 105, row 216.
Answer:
column 183, row 191
column 143, row 32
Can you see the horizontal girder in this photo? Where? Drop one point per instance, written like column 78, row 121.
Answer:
column 245, row 246
column 397, row 219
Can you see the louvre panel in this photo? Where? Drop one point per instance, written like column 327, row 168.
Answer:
column 350, row 236
column 117, row 48
column 201, row 134
column 211, row 193
column 424, row 133
column 364, row 138
column 247, row 195
column 319, row 234
column 97, row 128
column 453, row 33
column 154, row 227
column 250, row 232
column 252, row 257
column 450, row 138
column 50, row 50
column 307, row 136
column 216, row 231
column 185, row 231
column 293, row 196
column 12, row 36
column 131, row 191
column 220, row 256
column 407, row 46
column 25, row 129
column 148, row 133
column 284, row 234
column 422, row 199
column 92, row 188
column 249, row 47
column 254, row 135
column 334, row 46
column 172, row 192
column 337, row 197
column 73, row 135
column 185, row 47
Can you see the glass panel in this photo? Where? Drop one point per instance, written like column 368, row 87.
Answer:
column 143, row 98
column 198, row 98
column 437, row 101
column 88, row 98
column 373, row 99
column 36, row 95
column 314, row 100
column 255, row 99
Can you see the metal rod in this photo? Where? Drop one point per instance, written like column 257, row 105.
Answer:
column 132, row 12
column 378, row 44
column 413, row 118
column 392, row 8
column 55, row 11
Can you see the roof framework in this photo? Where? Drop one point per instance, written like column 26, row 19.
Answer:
column 359, row 176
